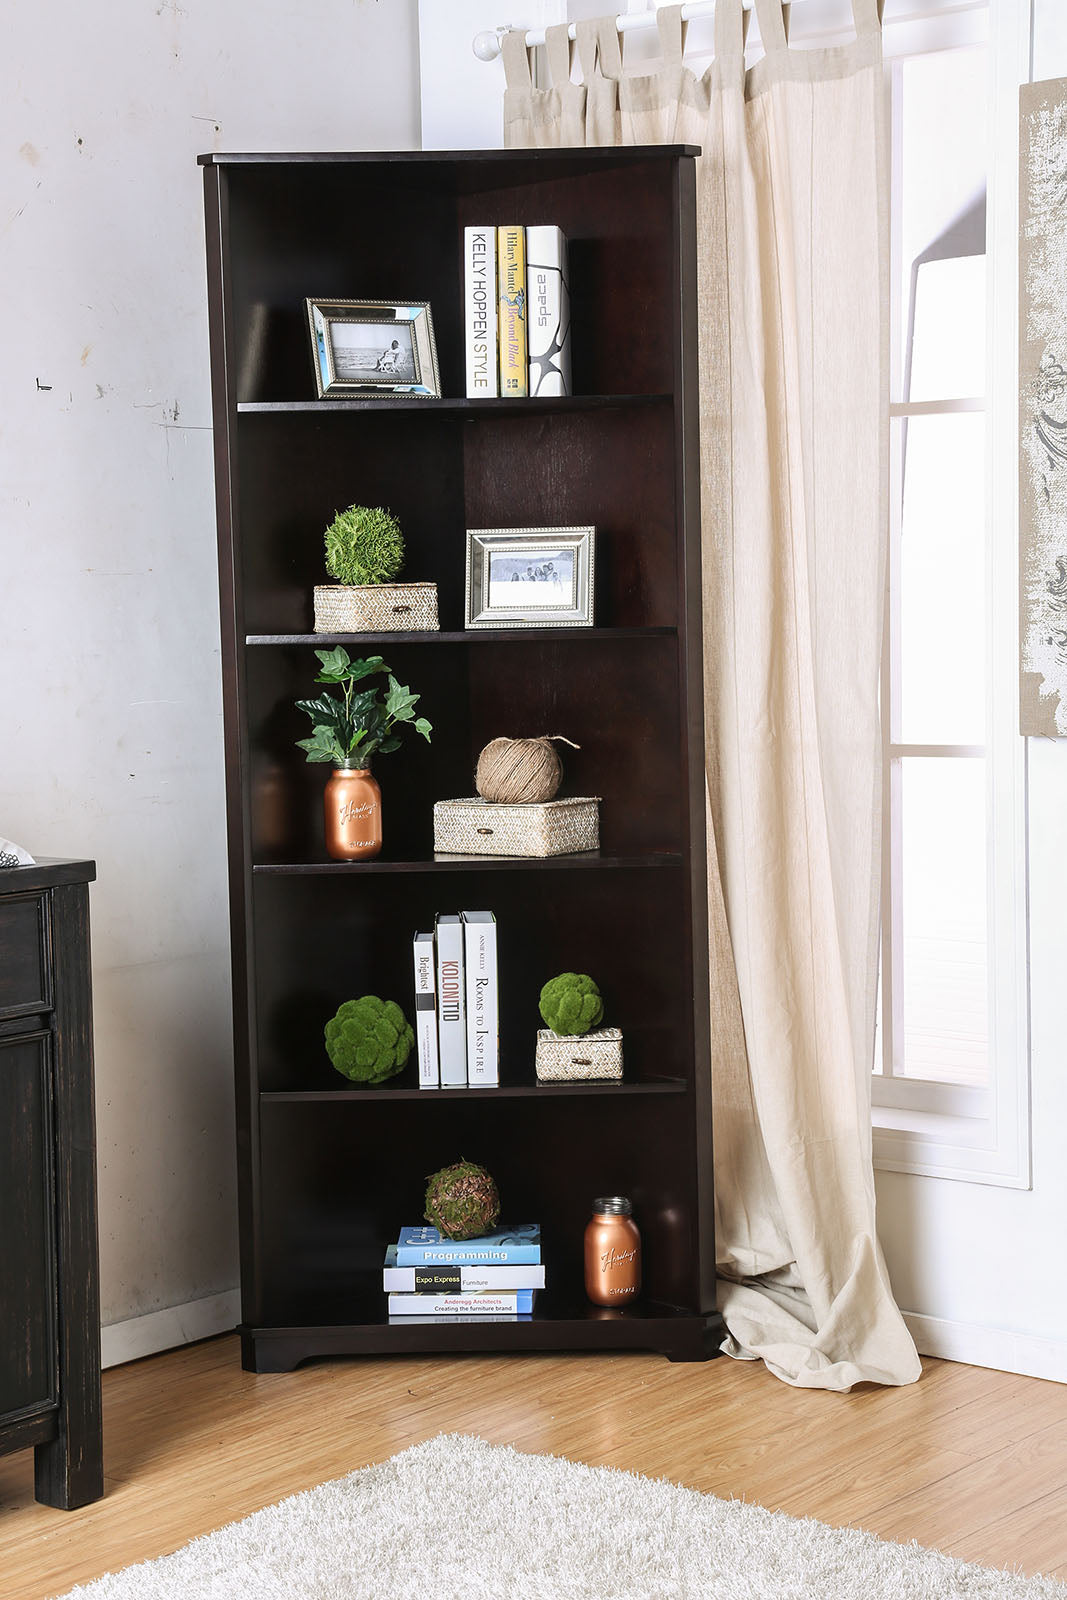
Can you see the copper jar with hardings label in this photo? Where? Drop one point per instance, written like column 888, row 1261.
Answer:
column 353, row 807
column 612, row 1253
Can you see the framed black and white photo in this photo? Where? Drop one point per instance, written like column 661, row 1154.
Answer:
column 530, row 577
column 364, row 348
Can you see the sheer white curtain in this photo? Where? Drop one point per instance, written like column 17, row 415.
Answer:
column 792, row 235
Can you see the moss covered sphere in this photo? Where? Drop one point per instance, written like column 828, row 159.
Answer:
column 364, row 545
column 369, row 1039
column 462, row 1201
column 571, row 1003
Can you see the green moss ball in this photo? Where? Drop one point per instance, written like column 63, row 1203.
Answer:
column 369, row 1039
column 571, row 1003
column 462, row 1201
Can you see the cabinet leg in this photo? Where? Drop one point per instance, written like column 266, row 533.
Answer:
column 698, row 1341
column 68, row 1471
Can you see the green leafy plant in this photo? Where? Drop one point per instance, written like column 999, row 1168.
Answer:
column 369, row 1039
column 354, row 726
column 364, row 544
column 571, row 1003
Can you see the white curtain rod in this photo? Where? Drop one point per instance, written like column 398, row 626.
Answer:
column 487, row 44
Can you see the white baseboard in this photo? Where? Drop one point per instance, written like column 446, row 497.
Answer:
column 976, row 1346
column 164, row 1330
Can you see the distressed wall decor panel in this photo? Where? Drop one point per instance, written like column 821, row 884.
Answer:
column 1043, row 408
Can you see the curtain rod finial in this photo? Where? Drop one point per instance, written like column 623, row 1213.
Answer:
column 487, row 43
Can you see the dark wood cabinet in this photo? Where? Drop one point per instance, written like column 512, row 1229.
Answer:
column 49, row 1295
column 328, row 1172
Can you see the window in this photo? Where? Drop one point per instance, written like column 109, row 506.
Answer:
column 950, row 1085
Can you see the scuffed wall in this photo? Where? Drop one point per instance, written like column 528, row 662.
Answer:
column 110, row 706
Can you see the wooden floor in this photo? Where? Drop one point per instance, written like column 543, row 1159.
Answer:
column 971, row 1461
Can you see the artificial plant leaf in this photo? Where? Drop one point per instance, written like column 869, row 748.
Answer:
column 390, row 744
column 327, row 709
column 322, row 746
column 335, row 664
column 352, row 671
column 399, row 701
column 423, row 727
column 355, row 738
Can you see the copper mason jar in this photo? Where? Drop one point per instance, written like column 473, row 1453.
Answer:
column 353, row 804
column 612, row 1253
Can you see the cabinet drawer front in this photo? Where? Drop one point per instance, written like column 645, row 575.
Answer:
column 27, row 1260
column 25, row 979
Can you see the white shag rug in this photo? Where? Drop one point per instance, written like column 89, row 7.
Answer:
column 458, row 1519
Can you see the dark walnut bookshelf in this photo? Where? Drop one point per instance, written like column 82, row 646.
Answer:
column 328, row 1173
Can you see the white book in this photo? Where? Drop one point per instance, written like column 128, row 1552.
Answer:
column 510, row 1301
column 479, row 312
column 451, row 1023
column 464, row 1278
column 483, row 1028
column 548, row 311
column 426, row 1011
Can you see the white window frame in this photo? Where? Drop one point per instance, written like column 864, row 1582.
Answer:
column 939, row 1129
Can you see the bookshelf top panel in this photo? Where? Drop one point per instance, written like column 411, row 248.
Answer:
column 595, row 155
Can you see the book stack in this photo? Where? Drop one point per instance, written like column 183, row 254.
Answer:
column 517, row 319
column 429, row 1278
column 457, row 1026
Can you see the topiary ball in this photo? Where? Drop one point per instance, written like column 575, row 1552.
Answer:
column 462, row 1201
column 364, row 545
column 571, row 1003
column 369, row 1039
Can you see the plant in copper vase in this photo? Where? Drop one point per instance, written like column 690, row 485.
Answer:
column 349, row 728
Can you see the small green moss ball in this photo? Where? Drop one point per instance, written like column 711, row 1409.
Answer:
column 364, row 544
column 571, row 1003
column 462, row 1201
column 369, row 1039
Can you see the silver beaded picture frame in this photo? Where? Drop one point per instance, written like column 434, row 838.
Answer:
column 373, row 348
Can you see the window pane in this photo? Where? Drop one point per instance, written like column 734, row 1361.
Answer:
column 942, row 595
column 942, row 176
column 943, row 890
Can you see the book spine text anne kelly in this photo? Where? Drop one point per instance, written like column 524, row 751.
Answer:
column 511, row 256
column 548, row 311
column 426, row 1011
column 479, row 955
column 479, row 311
column 451, row 1022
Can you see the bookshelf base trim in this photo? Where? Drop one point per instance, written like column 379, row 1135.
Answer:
column 678, row 1335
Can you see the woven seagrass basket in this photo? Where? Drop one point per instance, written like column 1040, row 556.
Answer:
column 376, row 608
column 578, row 1057
column 486, row 828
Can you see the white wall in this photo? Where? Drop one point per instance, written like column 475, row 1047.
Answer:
column 110, row 720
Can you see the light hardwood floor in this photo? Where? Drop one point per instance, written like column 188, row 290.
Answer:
column 968, row 1460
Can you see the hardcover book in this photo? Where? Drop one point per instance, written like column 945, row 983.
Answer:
column 479, row 312
column 511, row 283
column 518, row 1245
column 426, row 1011
column 451, row 1022
column 483, row 1028
column 510, row 1302
column 548, row 311
column 457, row 1277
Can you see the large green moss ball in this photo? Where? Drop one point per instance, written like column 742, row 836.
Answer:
column 364, row 544
column 571, row 1003
column 369, row 1039
column 462, row 1201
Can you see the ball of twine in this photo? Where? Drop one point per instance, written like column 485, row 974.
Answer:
column 520, row 771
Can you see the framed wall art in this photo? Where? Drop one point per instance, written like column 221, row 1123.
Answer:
column 364, row 348
column 530, row 577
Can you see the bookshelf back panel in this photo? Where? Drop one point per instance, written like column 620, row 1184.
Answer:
column 322, row 940
column 340, row 1183
column 518, row 688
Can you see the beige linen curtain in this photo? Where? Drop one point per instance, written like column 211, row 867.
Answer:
column 792, row 311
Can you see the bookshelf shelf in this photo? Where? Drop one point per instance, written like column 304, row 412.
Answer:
column 536, row 1091
column 322, row 1192
column 587, row 861
column 557, row 405
column 480, row 636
